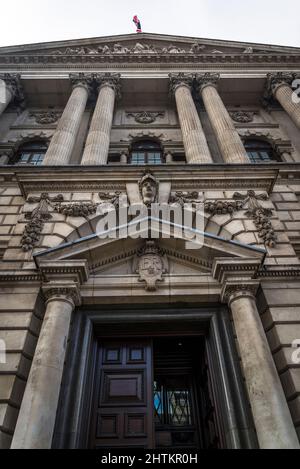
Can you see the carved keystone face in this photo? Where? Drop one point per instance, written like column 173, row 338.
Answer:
column 149, row 191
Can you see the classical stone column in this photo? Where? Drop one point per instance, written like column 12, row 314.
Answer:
column 37, row 415
column 230, row 144
column 195, row 144
column 64, row 138
column 12, row 90
column 273, row 422
column 97, row 143
column 279, row 85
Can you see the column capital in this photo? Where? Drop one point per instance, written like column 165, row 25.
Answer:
column 207, row 79
column 180, row 79
column 62, row 279
column 112, row 80
column 13, row 83
column 275, row 80
column 82, row 79
column 234, row 289
column 62, row 291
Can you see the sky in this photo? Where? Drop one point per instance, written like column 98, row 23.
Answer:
column 260, row 21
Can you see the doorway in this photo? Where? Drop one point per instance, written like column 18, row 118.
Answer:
column 154, row 393
column 118, row 358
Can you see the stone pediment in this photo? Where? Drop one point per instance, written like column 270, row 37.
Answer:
column 133, row 45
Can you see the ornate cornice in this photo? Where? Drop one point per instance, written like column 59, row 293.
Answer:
column 212, row 182
column 89, row 61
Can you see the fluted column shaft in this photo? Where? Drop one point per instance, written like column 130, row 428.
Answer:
column 63, row 141
column 285, row 96
column 195, row 144
column 35, row 425
column 229, row 141
column 271, row 414
column 98, row 140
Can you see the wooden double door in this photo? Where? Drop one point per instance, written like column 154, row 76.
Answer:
column 154, row 393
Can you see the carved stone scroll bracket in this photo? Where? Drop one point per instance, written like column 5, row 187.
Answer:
column 36, row 219
column 150, row 263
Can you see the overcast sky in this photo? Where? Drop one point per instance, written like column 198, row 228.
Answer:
column 263, row 21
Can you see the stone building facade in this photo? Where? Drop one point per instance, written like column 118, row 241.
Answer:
column 144, row 342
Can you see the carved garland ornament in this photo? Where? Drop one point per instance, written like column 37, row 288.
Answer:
column 145, row 117
column 37, row 218
column 260, row 215
column 46, row 118
column 242, row 116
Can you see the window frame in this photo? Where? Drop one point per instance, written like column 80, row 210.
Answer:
column 258, row 148
column 146, row 152
column 36, row 151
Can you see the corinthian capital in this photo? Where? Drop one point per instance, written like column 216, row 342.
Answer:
column 109, row 79
column 207, row 79
column 180, row 79
column 82, row 79
column 274, row 80
column 12, row 81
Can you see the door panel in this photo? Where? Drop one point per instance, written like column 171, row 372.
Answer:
column 123, row 415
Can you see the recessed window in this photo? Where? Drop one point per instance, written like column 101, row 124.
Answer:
column 259, row 151
column 31, row 153
column 146, row 152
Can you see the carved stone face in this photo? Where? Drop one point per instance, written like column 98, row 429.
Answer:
column 149, row 191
